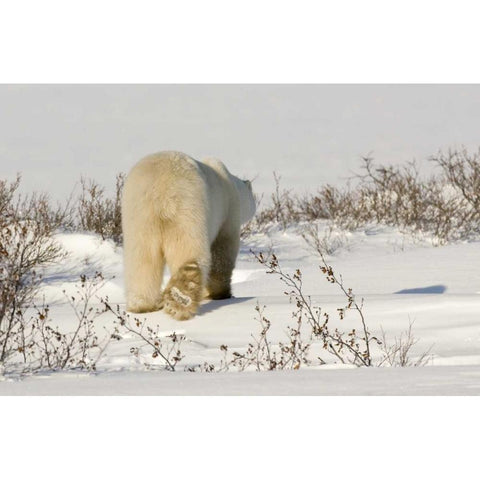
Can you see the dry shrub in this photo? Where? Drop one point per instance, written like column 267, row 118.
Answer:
column 283, row 211
column 261, row 354
column 34, row 344
column 27, row 245
column 462, row 170
column 29, row 342
column 98, row 213
column 47, row 347
column 445, row 204
column 166, row 348
column 398, row 353
column 329, row 241
column 399, row 196
column 311, row 326
column 351, row 347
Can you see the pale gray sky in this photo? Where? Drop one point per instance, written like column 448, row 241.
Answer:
column 309, row 134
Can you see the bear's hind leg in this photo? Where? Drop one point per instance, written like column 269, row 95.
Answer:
column 224, row 254
column 144, row 265
column 188, row 256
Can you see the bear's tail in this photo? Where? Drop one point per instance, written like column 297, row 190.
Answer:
column 165, row 204
column 174, row 196
column 143, row 198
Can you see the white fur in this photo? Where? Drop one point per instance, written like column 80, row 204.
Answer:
column 179, row 211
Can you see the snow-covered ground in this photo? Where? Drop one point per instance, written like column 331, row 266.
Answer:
column 402, row 279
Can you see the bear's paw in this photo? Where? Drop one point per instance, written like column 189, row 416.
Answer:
column 183, row 293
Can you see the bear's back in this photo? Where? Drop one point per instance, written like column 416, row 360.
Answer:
column 167, row 161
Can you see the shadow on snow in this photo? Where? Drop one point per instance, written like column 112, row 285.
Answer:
column 431, row 289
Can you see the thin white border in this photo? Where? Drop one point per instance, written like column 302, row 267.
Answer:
column 251, row 41
column 247, row 42
column 240, row 437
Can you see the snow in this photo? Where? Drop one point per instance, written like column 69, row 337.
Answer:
column 401, row 278
column 458, row 380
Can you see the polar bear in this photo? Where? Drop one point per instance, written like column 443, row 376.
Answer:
column 186, row 214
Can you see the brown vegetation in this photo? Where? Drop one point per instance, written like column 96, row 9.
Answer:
column 445, row 204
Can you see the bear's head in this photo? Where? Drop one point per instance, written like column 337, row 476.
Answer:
column 247, row 201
